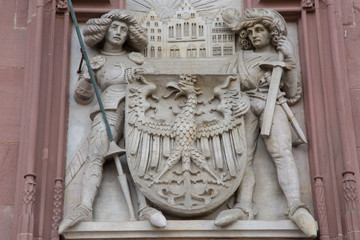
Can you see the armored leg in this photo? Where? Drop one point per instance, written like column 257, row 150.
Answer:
column 98, row 146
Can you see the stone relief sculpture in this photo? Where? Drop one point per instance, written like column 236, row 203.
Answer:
column 264, row 49
column 190, row 138
column 185, row 140
column 119, row 38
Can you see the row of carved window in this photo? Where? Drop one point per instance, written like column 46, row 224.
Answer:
column 225, row 51
column 152, row 38
column 152, row 52
column 153, row 30
column 221, row 30
column 223, row 38
column 219, row 24
column 156, row 24
column 179, row 15
column 191, row 52
column 186, row 29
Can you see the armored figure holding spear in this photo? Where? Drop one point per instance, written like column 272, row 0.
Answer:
column 120, row 39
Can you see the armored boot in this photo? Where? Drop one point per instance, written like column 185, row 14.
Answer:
column 238, row 212
column 155, row 217
column 78, row 214
column 299, row 213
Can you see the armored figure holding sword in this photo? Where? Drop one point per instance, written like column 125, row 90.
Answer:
column 266, row 66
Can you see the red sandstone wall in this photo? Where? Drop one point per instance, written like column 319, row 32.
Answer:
column 351, row 23
column 13, row 31
column 12, row 51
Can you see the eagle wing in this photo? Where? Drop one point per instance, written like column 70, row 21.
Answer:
column 148, row 138
column 223, row 141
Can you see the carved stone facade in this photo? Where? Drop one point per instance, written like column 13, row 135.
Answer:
column 35, row 66
column 187, row 34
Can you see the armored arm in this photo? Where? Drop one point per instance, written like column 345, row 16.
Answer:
column 84, row 90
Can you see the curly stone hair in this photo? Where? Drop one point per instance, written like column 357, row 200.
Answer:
column 96, row 29
column 269, row 18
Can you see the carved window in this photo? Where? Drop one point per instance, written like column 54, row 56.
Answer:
column 201, row 30
column 174, row 52
column 156, row 24
column 214, row 38
column 217, row 51
column 147, row 23
column 159, row 53
column 193, row 29
column 152, row 38
column 178, row 30
column 225, row 38
column 159, row 38
column 146, row 30
column 152, row 51
column 159, row 30
column 191, row 51
column 219, row 38
column 228, row 50
column 171, row 31
column 193, row 15
column 231, row 37
column 146, row 52
column 152, row 17
column 186, row 29
column 152, row 30
column 202, row 51
column 179, row 16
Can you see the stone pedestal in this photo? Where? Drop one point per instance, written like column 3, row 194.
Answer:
column 184, row 229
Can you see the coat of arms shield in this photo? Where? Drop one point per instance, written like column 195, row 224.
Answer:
column 185, row 147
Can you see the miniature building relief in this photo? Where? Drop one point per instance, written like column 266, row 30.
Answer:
column 186, row 31
column 187, row 34
column 186, row 105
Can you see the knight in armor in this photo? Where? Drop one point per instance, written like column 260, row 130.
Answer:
column 262, row 35
column 120, row 40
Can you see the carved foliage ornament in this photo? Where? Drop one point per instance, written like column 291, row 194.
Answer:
column 62, row 5
column 187, row 154
column 308, row 4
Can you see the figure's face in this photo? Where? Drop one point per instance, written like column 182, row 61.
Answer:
column 117, row 33
column 259, row 36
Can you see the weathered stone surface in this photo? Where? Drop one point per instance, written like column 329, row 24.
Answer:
column 8, row 161
column 110, row 204
column 6, row 221
column 10, row 108
column 185, row 229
